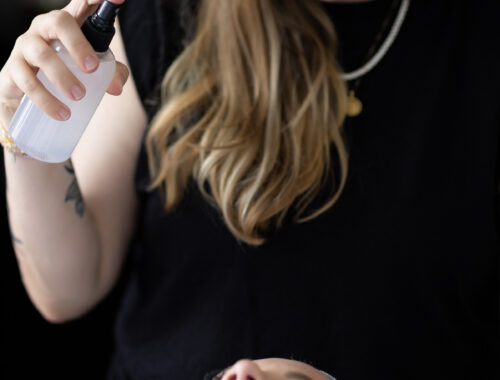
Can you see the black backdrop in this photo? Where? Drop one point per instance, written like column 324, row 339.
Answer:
column 33, row 347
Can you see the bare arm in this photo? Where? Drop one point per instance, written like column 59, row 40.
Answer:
column 72, row 222
column 51, row 236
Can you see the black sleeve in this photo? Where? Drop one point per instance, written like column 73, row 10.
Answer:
column 154, row 33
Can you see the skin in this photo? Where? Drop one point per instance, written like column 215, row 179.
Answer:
column 32, row 52
column 271, row 369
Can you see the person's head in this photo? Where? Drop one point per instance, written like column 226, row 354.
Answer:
column 250, row 110
column 268, row 369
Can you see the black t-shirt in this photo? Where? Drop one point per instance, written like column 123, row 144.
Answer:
column 398, row 280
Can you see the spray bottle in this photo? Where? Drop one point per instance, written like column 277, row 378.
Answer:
column 50, row 140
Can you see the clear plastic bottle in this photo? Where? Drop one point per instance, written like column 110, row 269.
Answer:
column 50, row 140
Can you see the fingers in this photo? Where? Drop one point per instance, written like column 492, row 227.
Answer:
column 25, row 79
column 38, row 54
column 119, row 79
column 81, row 9
column 60, row 25
column 33, row 50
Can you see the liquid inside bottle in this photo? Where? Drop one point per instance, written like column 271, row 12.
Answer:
column 50, row 140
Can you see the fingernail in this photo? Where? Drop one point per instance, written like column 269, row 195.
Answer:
column 90, row 63
column 64, row 113
column 77, row 92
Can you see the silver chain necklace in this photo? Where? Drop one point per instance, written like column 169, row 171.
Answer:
column 354, row 105
column 377, row 57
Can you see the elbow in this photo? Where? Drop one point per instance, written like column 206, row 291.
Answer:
column 55, row 319
column 58, row 318
column 61, row 314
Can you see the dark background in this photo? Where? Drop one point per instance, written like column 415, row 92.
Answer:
column 31, row 346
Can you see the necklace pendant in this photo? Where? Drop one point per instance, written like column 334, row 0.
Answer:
column 354, row 105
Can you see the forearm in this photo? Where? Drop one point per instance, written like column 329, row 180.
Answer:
column 54, row 237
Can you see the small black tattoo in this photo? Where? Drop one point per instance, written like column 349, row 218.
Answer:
column 15, row 239
column 73, row 193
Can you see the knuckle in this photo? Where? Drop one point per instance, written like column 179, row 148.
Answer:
column 120, row 73
column 82, row 46
column 124, row 71
column 29, row 84
column 123, row 67
column 66, row 83
column 19, row 41
column 9, row 84
column 36, row 21
column 40, row 52
column 46, row 102
column 59, row 18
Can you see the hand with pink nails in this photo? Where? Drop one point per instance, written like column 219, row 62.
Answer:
column 32, row 51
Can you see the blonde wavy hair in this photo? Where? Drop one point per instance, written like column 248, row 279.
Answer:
column 250, row 111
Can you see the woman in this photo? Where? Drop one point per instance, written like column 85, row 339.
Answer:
column 275, row 227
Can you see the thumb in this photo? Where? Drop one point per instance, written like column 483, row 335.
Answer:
column 120, row 78
column 81, row 9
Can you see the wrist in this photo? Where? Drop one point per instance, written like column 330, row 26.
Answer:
column 8, row 144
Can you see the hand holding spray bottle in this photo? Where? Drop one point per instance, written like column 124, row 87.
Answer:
column 50, row 140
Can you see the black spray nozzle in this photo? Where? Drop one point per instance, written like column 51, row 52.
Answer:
column 107, row 11
column 99, row 28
